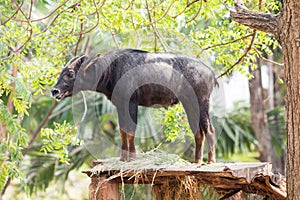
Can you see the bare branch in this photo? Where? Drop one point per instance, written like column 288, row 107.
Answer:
column 130, row 4
column 256, row 20
column 241, row 58
column 80, row 37
column 30, row 9
column 226, row 43
column 267, row 60
column 155, row 31
column 113, row 35
column 30, row 31
column 197, row 13
column 97, row 22
column 86, row 45
column 51, row 13
column 165, row 14
column 13, row 15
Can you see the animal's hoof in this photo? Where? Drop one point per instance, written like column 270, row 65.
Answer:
column 132, row 156
column 211, row 161
column 198, row 163
column 124, row 157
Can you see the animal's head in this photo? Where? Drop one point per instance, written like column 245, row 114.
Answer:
column 66, row 80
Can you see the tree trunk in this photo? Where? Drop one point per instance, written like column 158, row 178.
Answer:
column 258, row 115
column 290, row 42
column 286, row 28
column 259, row 120
column 278, row 161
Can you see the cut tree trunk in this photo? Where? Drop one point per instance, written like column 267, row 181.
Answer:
column 101, row 189
column 186, row 181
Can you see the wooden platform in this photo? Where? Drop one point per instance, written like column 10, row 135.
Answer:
column 228, row 179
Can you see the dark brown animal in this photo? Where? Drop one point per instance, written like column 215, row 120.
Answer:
column 130, row 78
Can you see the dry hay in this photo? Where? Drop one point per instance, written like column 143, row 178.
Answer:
column 175, row 187
column 153, row 160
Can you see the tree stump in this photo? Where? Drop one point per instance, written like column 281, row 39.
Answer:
column 101, row 189
column 185, row 187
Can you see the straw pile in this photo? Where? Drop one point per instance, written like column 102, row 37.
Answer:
column 176, row 187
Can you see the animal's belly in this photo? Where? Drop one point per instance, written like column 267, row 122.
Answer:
column 155, row 96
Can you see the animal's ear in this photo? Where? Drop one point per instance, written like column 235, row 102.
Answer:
column 76, row 62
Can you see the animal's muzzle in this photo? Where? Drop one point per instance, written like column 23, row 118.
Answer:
column 55, row 92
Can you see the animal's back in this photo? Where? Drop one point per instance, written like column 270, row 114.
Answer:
column 194, row 70
column 158, row 78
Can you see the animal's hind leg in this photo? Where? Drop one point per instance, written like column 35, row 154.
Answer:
column 209, row 132
column 192, row 112
column 199, row 141
column 211, row 143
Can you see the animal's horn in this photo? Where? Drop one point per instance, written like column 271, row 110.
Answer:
column 77, row 62
column 72, row 60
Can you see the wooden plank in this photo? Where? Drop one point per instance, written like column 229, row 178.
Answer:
column 247, row 170
column 224, row 177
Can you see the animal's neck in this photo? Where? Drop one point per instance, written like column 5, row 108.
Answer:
column 93, row 77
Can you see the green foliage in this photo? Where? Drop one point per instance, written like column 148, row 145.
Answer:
column 237, row 135
column 174, row 122
column 44, row 169
column 41, row 173
column 58, row 139
column 11, row 146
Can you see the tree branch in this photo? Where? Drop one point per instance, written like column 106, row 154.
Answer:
column 241, row 58
column 188, row 4
column 196, row 15
column 13, row 15
column 80, row 37
column 256, row 20
column 28, row 20
column 155, row 31
column 265, row 59
column 226, row 43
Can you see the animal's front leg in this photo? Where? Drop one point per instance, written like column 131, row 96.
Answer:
column 128, row 152
column 124, row 146
column 131, row 125
column 127, row 121
column 132, row 152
